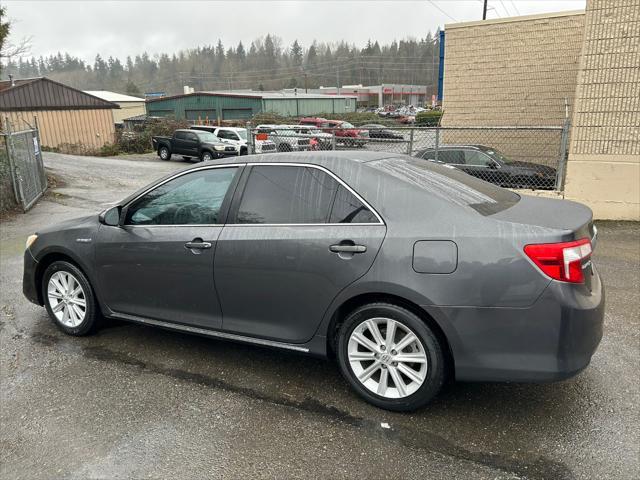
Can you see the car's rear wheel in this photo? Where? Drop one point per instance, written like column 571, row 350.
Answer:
column 390, row 357
column 69, row 299
column 164, row 153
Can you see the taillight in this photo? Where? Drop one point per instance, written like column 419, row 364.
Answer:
column 561, row 261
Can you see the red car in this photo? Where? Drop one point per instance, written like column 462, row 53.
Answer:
column 345, row 132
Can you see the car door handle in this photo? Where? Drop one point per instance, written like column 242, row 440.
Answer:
column 341, row 248
column 197, row 245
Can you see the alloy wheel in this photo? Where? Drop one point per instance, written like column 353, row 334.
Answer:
column 67, row 299
column 387, row 357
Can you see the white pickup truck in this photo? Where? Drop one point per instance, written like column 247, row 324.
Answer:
column 237, row 137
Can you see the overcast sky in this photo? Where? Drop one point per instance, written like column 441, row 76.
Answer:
column 121, row 28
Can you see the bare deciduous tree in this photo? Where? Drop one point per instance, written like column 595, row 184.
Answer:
column 9, row 49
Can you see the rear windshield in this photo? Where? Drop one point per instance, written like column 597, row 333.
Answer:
column 449, row 183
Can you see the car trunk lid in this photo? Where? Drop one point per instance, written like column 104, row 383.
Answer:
column 572, row 218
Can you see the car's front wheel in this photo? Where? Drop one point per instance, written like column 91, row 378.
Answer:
column 164, row 153
column 206, row 157
column 390, row 357
column 69, row 299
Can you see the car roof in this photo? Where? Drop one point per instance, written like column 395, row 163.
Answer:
column 311, row 158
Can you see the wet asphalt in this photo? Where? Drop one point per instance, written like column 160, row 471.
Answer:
column 137, row 402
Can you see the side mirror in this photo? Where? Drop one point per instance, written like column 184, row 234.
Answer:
column 111, row 216
column 494, row 165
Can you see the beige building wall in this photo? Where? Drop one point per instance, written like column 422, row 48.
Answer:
column 128, row 109
column 603, row 170
column 519, row 71
column 512, row 71
column 90, row 128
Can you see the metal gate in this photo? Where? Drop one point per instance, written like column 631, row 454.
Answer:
column 24, row 156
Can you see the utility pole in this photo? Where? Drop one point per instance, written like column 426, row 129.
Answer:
column 338, row 79
column 484, row 10
column 306, row 90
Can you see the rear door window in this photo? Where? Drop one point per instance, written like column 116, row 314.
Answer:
column 347, row 208
column 453, row 157
column 476, row 158
column 277, row 194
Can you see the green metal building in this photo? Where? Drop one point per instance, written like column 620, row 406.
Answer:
column 217, row 106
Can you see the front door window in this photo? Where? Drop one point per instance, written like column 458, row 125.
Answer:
column 191, row 199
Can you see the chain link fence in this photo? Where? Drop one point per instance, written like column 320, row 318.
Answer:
column 21, row 167
column 512, row 157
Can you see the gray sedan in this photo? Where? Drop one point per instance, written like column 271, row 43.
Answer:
column 407, row 272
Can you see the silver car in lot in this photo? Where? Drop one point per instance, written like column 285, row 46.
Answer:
column 285, row 139
column 406, row 271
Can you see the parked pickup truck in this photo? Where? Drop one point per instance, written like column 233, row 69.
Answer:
column 285, row 138
column 191, row 144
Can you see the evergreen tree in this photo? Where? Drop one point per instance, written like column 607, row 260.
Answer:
column 296, row 53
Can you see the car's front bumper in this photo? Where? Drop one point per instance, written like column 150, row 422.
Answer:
column 29, row 287
column 552, row 340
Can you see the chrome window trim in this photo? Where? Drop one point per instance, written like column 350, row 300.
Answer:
column 247, row 164
column 302, row 224
column 258, row 225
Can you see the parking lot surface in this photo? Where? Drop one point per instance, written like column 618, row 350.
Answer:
column 137, row 402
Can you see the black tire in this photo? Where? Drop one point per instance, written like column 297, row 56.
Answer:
column 284, row 147
column 206, row 157
column 435, row 366
column 92, row 315
column 164, row 153
column 244, row 151
column 188, row 159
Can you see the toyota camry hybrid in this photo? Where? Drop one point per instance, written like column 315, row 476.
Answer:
column 406, row 271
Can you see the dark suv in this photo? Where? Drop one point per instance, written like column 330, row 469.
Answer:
column 489, row 164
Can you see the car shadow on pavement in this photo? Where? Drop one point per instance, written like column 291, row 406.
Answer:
column 472, row 422
column 297, row 376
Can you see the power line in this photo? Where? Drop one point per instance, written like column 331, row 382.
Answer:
column 504, row 7
column 441, row 10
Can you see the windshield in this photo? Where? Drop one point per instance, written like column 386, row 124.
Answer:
column 207, row 137
column 449, row 183
column 242, row 134
column 498, row 156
